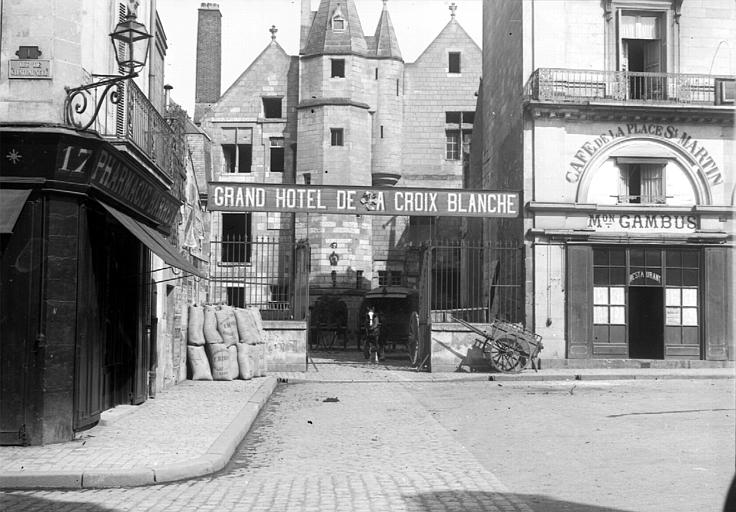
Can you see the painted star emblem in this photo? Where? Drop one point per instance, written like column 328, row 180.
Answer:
column 14, row 156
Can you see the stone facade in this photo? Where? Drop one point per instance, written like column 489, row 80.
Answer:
column 616, row 121
column 393, row 129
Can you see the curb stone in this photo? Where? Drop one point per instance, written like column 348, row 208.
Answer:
column 217, row 456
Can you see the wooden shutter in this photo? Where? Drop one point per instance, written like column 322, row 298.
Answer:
column 579, row 299
column 718, row 294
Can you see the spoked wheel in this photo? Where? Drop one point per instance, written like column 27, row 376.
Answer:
column 413, row 341
column 509, row 354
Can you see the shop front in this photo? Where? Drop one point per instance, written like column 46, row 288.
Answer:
column 630, row 237
column 647, row 301
column 79, row 221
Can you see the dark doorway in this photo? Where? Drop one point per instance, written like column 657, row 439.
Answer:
column 646, row 322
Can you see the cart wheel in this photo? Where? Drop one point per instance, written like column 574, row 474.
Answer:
column 413, row 341
column 509, row 354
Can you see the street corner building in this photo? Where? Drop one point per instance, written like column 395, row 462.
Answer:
column 616, row 119
column 102, row 229
column 346, row 112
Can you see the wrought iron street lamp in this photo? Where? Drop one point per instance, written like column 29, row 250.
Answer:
column 130, row 40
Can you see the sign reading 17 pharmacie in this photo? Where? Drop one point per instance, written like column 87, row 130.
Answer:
column 249, row 197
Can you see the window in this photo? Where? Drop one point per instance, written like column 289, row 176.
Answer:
column 376, row 73
column 396, row 277
column 467, row 117
column 272, row 108
column 381, row 131
column 452, row 144
column 609, row 305
column 641, row 182
column 237, row 157
column 336, row 138
column 397, row 87
column 454, row 62
column 457, row 123
column 277, row 154
column 639, row 44
column 382, row 278
column 236, row 296
column 236, row 149
column 358, row 279
column 236, row 238
column 681, row 299
column 338, row 68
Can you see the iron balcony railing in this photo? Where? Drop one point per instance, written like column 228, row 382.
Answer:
column 629, row 87
column 134, row 119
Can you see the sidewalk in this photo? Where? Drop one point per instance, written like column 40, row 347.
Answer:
column 193, row 429
column 187, row 431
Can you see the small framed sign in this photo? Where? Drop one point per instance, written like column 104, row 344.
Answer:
column 32, row 69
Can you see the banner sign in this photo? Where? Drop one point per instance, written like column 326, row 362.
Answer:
column 251, row 197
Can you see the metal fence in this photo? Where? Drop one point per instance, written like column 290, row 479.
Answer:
column 575, row 85
column 265, row 272
column 475, row 281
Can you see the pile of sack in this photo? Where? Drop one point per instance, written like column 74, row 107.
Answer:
column 225, row 343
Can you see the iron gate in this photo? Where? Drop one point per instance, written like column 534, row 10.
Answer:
column 473, row 281
column 269, row 273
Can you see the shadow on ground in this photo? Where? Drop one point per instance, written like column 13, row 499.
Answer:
column 472, row 501
column 11, row 502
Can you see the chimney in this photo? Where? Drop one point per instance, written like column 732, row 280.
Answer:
column 209, row 50
column 306, row 24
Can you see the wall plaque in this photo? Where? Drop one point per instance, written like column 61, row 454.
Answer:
column 30, row 68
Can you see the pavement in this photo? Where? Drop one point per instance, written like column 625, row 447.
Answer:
column 194, row 428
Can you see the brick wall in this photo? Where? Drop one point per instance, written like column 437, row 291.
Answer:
column 209, row 49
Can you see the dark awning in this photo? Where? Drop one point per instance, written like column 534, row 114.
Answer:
column 154, row 241
column 11, row 203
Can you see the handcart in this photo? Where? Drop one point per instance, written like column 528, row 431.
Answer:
column 506, row 347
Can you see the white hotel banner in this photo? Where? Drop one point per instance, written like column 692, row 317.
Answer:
column 251, row 197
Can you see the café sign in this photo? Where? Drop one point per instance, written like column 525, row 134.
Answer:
column 643, row 223
column 678, row 136
column 247, row 197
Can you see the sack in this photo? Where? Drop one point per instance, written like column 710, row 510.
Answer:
column 195, row 326
column 219, row 357
column 226, row 327
column 247, row 329
column 211, row 335
column 234, row 368
column 258, row 321
column 255, row 362
column 260, row 360
column 244, row 365
column 198, row 363
column 264, row 358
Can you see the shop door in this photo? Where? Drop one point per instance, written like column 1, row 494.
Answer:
column 646, row 322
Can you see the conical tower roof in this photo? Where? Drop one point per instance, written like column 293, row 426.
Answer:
column 336, row 29
column 385, row 41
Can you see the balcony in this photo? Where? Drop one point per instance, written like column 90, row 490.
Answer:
column 131, row 119
column 558, row 85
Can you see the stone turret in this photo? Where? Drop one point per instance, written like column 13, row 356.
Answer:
column 389, row 104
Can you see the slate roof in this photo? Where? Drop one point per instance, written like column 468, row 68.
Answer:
column 385, row 43
column 322, row 39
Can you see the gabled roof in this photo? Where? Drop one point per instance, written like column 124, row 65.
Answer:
column 323, row 39
column 385, row 41
column 452, row 27
column 273, row 49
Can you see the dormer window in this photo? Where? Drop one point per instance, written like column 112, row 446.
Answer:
column 338, row 20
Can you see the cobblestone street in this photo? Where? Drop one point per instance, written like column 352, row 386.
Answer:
column 379, row 446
